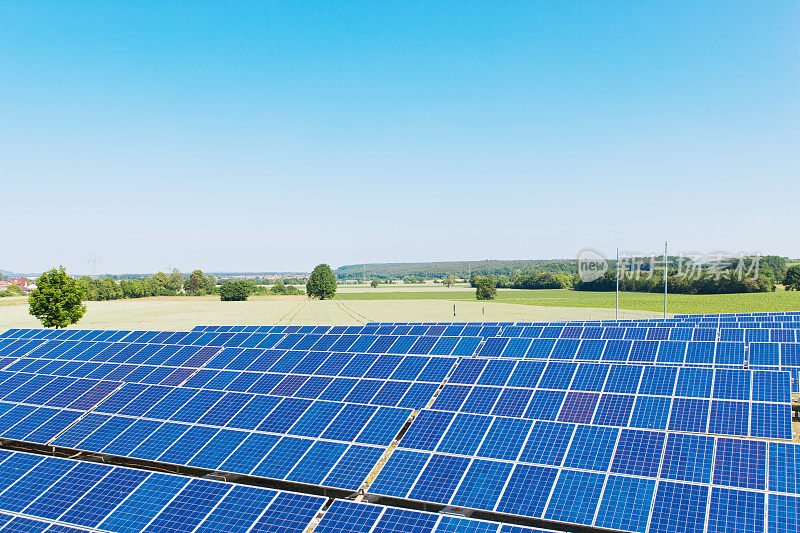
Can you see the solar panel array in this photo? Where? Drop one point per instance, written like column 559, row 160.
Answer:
column 51, row 494
column 700, row 400
column 583, row 474
column 620, row 426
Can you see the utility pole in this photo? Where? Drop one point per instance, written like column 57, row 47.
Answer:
column 616, row 307
column 94, row 261
column 666, row 274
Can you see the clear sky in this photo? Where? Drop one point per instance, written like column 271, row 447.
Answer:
column 278, row 135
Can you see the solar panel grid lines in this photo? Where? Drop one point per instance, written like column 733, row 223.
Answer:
column 492, row 391
column 103, row 434
column 689, row 413
column 90, row 496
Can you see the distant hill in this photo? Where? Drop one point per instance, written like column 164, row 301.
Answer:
column 461, row 269
column 7, row 272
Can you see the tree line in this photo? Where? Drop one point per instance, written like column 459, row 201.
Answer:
column 159, row 284
column 703, row 282
column 461, row 269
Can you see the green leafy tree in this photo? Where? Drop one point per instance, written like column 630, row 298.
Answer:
column 792, row 278
column 57, row 299
column 485, row 288
column 198, row 284
column 235, row 290
column 449, row 281
column 374, row 283
column 159, row 282
column 175, row 281
column 321, row 283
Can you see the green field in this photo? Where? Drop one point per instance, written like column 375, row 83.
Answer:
column 676, row 303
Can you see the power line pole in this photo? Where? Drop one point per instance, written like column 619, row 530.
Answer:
column 666, row 274
column 94, row 261
column 616, row 307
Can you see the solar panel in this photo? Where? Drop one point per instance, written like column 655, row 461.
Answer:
column 88, row 495
column 509, row 433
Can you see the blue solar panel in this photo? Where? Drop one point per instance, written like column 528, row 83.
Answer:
column 784, row 468
column 399, row 473
column 482, row 484
column 464, row 434
column 527, row 490
column 694, row 382
column 689, row 415
column 496, row 372
column 740, row 463
column 733, row 510
column 439, row 479
column 623, row 379
column 614, row 410
column 481, row 400
column 729, row 418
column 317, row 462
column 504, row 438
column 545, row 404
column 626, row 503
column 679, row 507
column 784, row 514
column 592, row 448
column 638, row 453
column 575, row 497
column 590, row 377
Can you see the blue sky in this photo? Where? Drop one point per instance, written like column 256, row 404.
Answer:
column 278, row 135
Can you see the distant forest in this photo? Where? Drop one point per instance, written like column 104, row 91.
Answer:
column 461, row 269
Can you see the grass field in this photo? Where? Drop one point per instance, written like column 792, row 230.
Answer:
column 676, row 303
column 182, row 313
column 361, row 304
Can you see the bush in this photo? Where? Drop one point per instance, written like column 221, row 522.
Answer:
column 12, row 290
column 485, row 288
column 235, row 290
column 544, row 280
column 280, row 288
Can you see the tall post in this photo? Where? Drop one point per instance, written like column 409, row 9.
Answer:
column 666, row 275
column 616, row 307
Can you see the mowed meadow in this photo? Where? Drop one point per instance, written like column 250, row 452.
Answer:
column 181, row 313
column 780, row 300
column 359, row 304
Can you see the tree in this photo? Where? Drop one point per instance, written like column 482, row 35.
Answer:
column 321, row 283
column 792, row 278
column 198, row 284
column 449, row 281
column 235, row 290
column 175, row 281
column 374, row 283
column 485, row 288
column 56, row 301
